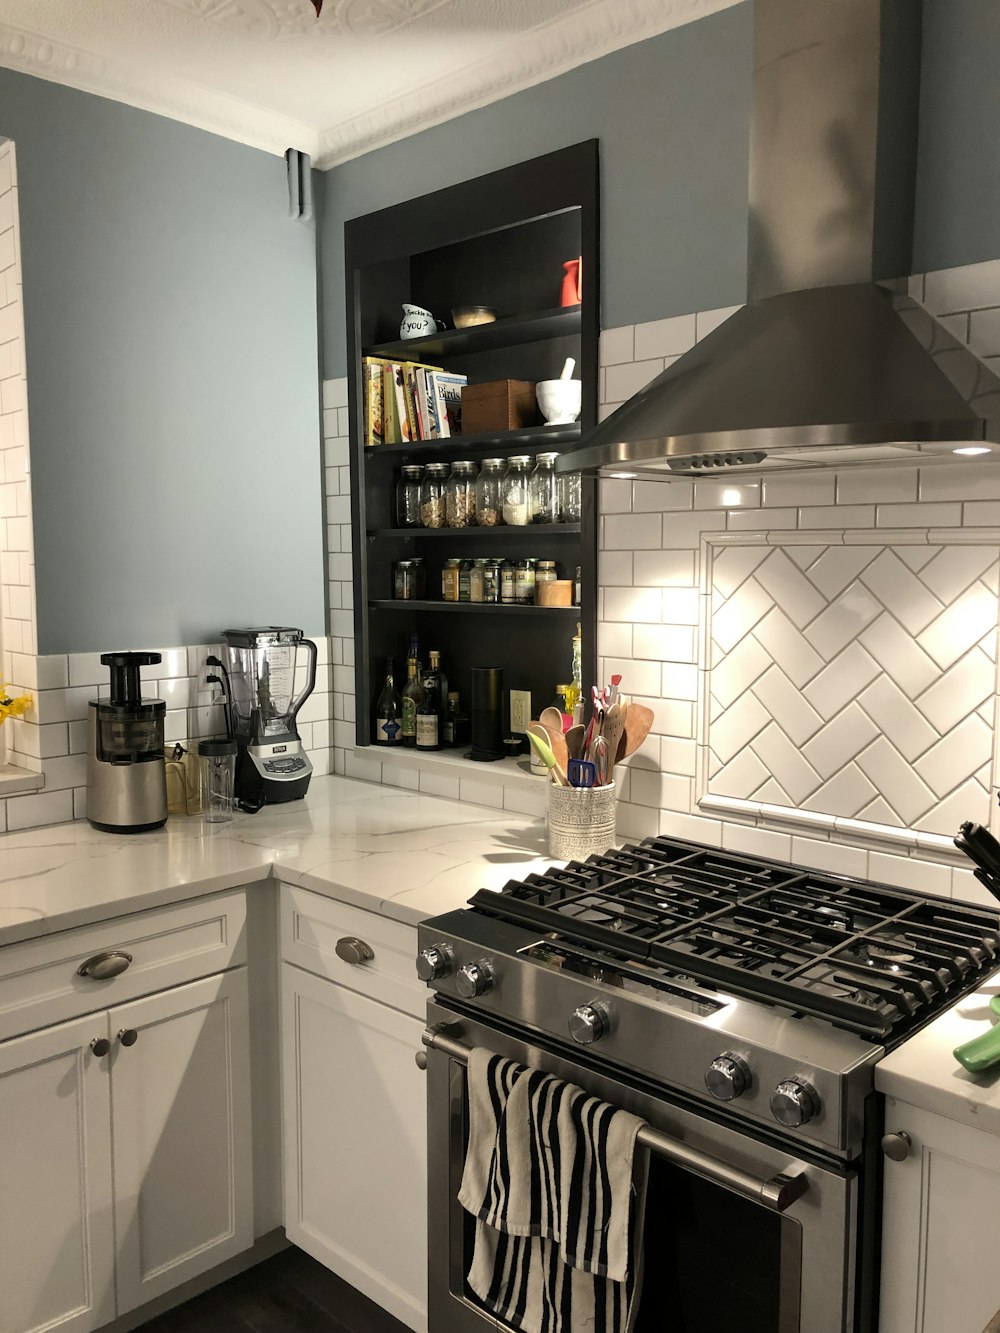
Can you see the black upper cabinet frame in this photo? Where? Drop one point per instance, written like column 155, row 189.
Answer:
column 497, row 240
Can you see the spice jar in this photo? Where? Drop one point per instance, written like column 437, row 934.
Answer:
column 460, row 496
column 545, row 573
column 419, row 578
column 507, row 583
column 516, row 488
column 491, row 579
column 449, row 580
column 404, row 583
column 543, row 490
column 489, row 493
column 570, row 503
column 477, row 581
column 465, row 582
column 524, row 582
column 408, row 496
column 432, row 495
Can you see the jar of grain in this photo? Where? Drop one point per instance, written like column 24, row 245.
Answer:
column 450, row 575
column 460, row 496
column 489, row 493
column 432, row 495
column 516, row 486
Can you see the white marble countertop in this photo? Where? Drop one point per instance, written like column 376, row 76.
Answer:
column 406, row 855
column 924, row 1073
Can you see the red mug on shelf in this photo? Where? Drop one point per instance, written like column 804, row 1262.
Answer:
column 572, row 286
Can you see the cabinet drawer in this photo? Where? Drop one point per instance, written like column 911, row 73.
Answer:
column 40, row 982
column 311, row 925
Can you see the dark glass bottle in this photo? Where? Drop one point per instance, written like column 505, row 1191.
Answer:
column 436, row 671
column 451, row 720
column 388, row 711
column 412, row 695
column 429, row 717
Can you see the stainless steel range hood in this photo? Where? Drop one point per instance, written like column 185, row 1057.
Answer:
column 823, row 367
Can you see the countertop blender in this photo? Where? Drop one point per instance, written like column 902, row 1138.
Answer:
column 259, row 670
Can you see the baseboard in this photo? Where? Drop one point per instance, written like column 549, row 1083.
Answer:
column 263, row 1248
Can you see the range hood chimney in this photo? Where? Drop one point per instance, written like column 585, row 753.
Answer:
column 823, row 367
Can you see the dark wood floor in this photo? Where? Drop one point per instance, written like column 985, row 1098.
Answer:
column 290, row 1293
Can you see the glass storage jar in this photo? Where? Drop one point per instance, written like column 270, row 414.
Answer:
column 489, row 493
column 507, row 583
column 404, row 581
column 545, row 573
column 460, row 496
column 465, row 581
column 491, row 579
column 432, row 495
column 570, row 503
column 450, row 575
column 543, row 496
column 524, row 582
column 477, row 581
column 516, row 488
column 408, row 496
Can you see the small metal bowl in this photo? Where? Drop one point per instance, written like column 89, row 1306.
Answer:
column 468, row 316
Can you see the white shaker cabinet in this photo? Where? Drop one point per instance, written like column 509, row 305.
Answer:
column 353, row 1102
column 940, row 1226
column 56, row 1225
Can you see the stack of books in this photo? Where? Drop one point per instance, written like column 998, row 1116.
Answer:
column 406, row 402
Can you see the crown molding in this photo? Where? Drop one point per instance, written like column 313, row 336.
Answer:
column 596, row 29
column 587, row 34
column 175, row 98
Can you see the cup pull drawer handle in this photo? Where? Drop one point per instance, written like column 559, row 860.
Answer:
column 353, row 950
column 103, row 966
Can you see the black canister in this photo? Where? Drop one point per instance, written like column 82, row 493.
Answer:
column 486, row 714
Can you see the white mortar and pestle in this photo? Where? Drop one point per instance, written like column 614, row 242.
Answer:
column 559, row 400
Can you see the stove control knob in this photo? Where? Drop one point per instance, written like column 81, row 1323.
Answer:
column 474, row 979
column 589, row 1023
column 728, row 1077
column 794, row 1102
column 434, row 963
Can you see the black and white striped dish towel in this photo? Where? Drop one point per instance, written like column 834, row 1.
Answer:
column 553, row 1178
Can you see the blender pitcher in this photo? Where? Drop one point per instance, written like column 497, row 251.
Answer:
column 268, row 673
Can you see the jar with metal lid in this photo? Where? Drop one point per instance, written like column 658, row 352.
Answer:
column 404, row 581
column 432, row 495
column 543, row 490
column 570, row 498
column 419, row 578
column 578, row 587
column 449, row 579
column 524, row 582
column 465, row 581
column 460, row 496
column 477, row 580
column 408, row 496
column 545, row 573
column 491, row 579
column 516, row 492
column 508, row 583
column 489, row 493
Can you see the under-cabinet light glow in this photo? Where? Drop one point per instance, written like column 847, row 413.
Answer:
column 623, row 476
column 971, row 450
column 731, row 498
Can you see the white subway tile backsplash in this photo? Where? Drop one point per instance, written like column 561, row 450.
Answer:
column 871, row 486
column 984, row 513
column 971, row 287
column 923, row 515
column 801, row 489
column 632, row 532
column 615, row 495
column 717, row 494
column 707, row 321
column 664, row 337
column 653, row 497
column 633, row 605
column 617, row 346
column 622, row 382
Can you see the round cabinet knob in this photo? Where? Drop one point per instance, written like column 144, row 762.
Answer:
column 100, row 1046
column 474, row 979
column 128, row 1036
column 353, row 950
column 794, row 1102
column 897, row 1146
column 589, row 1023
column 434, row 963
column 728, row 1077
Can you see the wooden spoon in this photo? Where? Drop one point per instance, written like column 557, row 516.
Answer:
column 560, row 749
column 613, row 727
column 574, row 741
column 551, row 717
column 620, row 755
column 637, row 724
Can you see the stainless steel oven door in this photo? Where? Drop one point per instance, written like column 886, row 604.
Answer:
column 739, row 1234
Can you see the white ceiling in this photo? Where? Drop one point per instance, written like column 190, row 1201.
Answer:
column 268, row 73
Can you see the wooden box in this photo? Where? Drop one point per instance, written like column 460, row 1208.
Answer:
column 499, row 405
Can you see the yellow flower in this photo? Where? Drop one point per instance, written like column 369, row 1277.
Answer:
column 15, row 707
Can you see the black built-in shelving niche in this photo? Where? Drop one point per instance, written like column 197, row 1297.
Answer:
column 499, row 241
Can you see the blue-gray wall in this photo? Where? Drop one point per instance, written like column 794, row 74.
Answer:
column 171, row 341
column 671, row 114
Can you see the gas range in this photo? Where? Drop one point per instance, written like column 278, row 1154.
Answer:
column 761, row 990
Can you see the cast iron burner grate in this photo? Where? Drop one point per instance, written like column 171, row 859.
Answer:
column 870, row 958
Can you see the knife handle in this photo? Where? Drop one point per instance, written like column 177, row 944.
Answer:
column 981, row 1052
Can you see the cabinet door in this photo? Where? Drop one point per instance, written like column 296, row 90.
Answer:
column 355, row 1153
column 56, row 1226
column 940, row 1227
column 183, row 1173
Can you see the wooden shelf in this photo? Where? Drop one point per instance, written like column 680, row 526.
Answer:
column 560, row 322
column 500, row 531
column 492, row 608
column 501, row 443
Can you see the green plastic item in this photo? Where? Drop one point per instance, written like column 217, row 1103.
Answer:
column 981, row 1052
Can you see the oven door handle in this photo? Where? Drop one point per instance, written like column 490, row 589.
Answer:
column 778, row 1192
